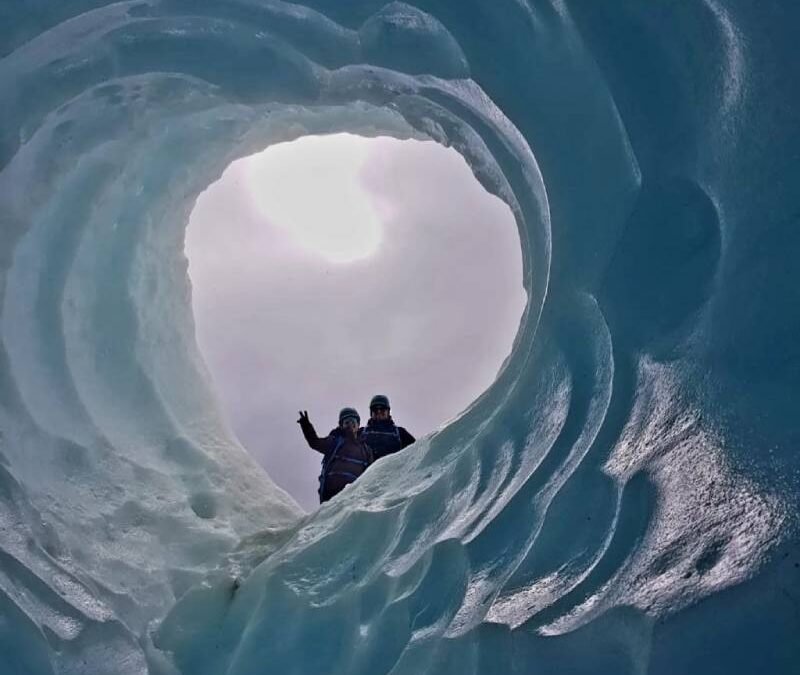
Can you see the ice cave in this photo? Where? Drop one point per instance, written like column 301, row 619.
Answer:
column 624, row 497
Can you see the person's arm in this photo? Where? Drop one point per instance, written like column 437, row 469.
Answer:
column 310, row 434
column 406, row 438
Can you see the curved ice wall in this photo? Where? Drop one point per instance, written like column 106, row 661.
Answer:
column 623, row 499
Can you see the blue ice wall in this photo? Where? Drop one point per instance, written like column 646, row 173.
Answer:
column 624, row 499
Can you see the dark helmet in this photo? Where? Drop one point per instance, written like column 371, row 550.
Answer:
column 379, row 401
column 349, row 413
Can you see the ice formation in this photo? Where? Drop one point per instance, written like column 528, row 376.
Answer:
column 623, row 499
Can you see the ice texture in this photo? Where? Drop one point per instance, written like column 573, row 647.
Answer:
column 623, row 499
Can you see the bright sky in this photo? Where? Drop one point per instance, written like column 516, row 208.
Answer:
column 332, row 268
column 313, row 189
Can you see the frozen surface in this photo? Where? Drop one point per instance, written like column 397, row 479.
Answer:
column 624, row 498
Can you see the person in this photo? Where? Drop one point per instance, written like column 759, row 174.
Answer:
column 346, row 455
column 381, row 433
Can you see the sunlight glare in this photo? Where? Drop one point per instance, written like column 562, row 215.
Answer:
column 312, row 189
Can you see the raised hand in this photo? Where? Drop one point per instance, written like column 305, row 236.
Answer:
column 303, row 417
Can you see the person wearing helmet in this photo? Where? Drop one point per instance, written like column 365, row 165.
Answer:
column 381, row 433
column 346, row 455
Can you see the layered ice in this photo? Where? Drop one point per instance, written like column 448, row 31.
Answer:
column 623, row 499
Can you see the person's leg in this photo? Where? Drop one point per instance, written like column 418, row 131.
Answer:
column 333, row 486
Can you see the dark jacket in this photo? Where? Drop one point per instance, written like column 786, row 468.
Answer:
column 345, row 459
column 386, row 438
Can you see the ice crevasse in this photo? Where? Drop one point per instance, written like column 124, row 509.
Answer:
column 623, row 499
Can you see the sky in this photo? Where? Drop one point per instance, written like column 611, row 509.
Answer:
column 333, row 268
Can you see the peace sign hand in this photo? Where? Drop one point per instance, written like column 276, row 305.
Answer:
column 303, row 418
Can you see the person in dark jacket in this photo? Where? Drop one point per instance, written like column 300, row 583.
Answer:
column 346, row 455
column 381, row 433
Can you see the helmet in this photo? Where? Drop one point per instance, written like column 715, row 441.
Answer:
column 379, row 401
column 348, row 413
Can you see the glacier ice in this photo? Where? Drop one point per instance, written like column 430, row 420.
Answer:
column 623, row 499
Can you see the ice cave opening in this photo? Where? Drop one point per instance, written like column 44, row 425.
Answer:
column 332, row 267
